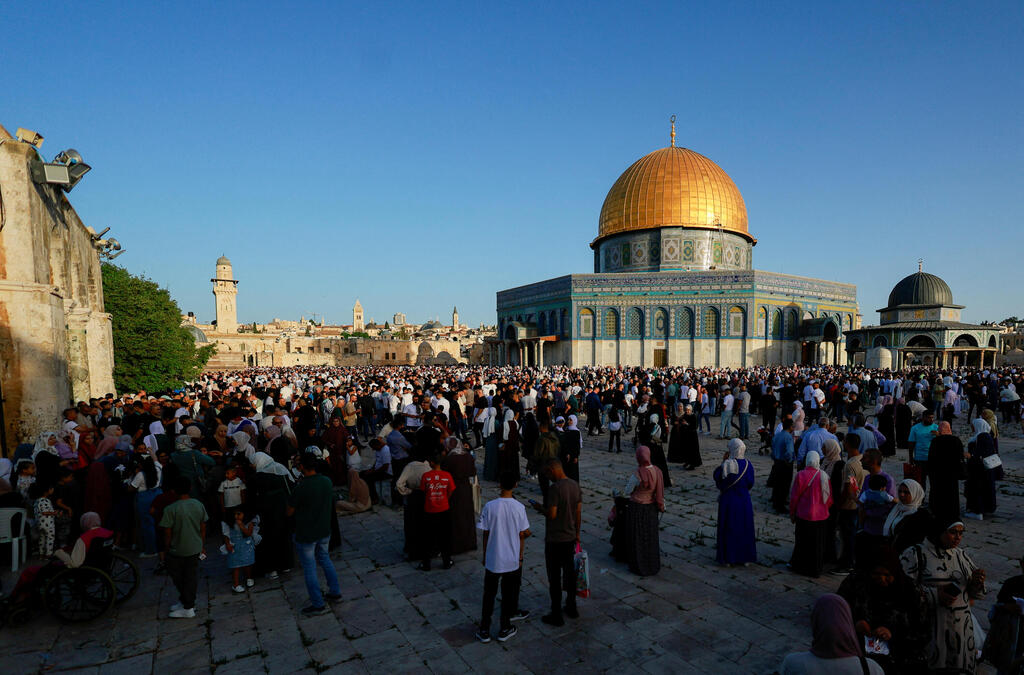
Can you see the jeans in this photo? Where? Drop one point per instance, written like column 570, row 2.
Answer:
column 184, row 572
column 143, row 501
column 312, row 554
column 744, row 425
column 510, row 583
column 705, row 418
column 846, row 523
column 368, row 424
column 558, row 558
column 724, row 430
column 615, row 437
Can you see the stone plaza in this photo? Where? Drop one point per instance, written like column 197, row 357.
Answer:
column 693, row 617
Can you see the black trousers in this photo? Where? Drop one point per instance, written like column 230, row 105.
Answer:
column 510, row 583
column 184, row 572
column 593, row 420
column 558, row 558
column 438, row 528
column 782, row 480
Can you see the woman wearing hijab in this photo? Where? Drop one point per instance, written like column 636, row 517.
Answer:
column 834, row 467
column 809, row 502
column 990, row 417
column 508, row 453
column 158, row 439
column 269, row 490
column 358, row 495
column 461, row 465
column 646, row 500
column 907, row 523
column 736, row 543
column 46, row 457
column 945, row 471
column 111, row 435
column 650, row 436
column 491, row 437
column 903, row 419
column 835, row 647
column 980, row 488
column 571, row 444
column 886, row 419
column 684, row 442
column 949, row 581
column 218, row 441
column 798, row 419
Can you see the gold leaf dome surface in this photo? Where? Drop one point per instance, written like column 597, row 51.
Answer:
column 673, row 187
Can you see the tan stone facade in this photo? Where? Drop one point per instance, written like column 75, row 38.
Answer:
column 55, row 338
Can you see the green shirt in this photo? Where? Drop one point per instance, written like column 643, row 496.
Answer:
column 184, row 518
column 313, row 501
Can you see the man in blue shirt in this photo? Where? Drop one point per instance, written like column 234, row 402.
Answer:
column 814, row 439
column 782, row 468
column 920, row 439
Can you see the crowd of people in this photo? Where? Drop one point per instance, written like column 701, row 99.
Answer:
column 273, row 454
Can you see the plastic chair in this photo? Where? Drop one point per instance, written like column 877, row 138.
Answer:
column 13, row 525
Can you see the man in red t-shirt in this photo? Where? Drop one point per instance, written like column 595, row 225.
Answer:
column 437, row 486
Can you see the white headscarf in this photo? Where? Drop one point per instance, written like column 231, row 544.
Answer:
column 901, row 510
column 43, row 444
column 813, row 461
column 655, row 427
column 573, row 421
column 242, row 444
column 264, row 463
column 980, row 427
column 737, row 449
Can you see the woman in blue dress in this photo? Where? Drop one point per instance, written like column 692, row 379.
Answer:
column 736, row 542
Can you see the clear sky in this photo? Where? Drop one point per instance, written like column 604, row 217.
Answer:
column 418, row 157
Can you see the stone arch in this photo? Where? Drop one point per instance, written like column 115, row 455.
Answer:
column 791, row 323
column 848, row 322
column 635, row 323
column 853, row 344
column 661, row 323
column 921, row 341
column 586, row 323
column 880, row 341
column 965, row 340
column 830, row 331
column 992, row 341
column 777, row 324
column 611, row 323
column 510, row 333
column 710, row 323
column 424, row 353
column 762, row 328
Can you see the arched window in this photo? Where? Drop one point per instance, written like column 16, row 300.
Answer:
column 737, row 321
column 611, row 323
column 563, row 322
column 660, row 323
column 791, row 323
column 552, row 323
column 684, row 323
column 880, row 341
column 635, row 325
column 710, row 323
column 586, row 323
column 777, row 324
column 848, row 322
column 762, row 327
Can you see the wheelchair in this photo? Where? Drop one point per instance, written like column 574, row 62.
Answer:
column 76, row 594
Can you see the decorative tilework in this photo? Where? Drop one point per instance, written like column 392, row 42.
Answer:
column 688, row 250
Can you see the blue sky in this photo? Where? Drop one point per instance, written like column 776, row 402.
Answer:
column 418, row 157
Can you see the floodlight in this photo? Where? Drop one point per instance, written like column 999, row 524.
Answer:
column 76, row 167
column 30, row 137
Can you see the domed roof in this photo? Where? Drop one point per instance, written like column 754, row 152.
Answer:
column 199, row 336
column 431, row 325
column 223, row 260
column 673, row 187
column 921, row 288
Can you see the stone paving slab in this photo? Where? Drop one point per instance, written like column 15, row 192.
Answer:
column 692, row 617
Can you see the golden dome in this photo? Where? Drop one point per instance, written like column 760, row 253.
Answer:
column 673, row 187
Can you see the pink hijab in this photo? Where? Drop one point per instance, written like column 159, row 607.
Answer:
column 111, row 435
column 649, row 476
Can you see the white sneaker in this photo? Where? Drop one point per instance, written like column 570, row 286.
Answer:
column 272, row 575
column 176, row 606
column 238, row 589
column 249, row 583
column 975, row 516
column 183, row 613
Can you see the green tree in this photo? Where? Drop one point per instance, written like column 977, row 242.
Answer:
column 152, row 350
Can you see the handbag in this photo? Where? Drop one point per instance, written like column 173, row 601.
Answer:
column 913, row 471
column 992, row 461
column 582, row 564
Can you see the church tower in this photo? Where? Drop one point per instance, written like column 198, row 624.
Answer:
column 357, row 318
column 225, row 290
column 455, row 318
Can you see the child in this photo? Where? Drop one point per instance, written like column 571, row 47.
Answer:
column 876, row 494
column 25, row 474
column 240, row 539
column 45, row 515
column 231, row 489
column 505, row 527
column 437, row 486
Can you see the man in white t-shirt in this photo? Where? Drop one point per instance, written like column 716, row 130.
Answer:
column 505, row 526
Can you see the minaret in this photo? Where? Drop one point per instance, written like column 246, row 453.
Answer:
column 455, row 318
column 357, row 317
column 225, row 290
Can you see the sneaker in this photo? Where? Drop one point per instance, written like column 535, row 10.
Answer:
column 571, row 612
column 176, row 606
column 840, row 572
column 183, row 613
column 333, row 597
column 313, row 610
column 507, row 633
column 521, row 615
column 975, row 516
column 249, row 583
column 552, row 620
column 271, row 575
column 483, row 636
column 238, row 589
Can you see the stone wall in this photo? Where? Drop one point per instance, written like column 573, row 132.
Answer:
column 55, row 338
